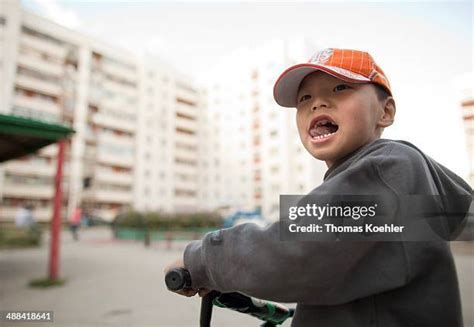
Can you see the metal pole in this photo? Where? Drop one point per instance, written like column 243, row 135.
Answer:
column 56, row 221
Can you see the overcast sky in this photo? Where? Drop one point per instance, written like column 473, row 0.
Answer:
column 425, row 48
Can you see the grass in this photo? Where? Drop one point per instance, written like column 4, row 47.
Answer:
column 46, row 283
column 11, row 237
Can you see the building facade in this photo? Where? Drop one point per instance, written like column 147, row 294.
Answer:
column 256, row 151
column 136, row 120
column 148, row 137
column 168, row 140
column 37, row 77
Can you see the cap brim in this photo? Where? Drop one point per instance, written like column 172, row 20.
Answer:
column 286, row 87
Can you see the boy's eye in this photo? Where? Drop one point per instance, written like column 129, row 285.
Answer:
column 305, row 97
column 341, row 87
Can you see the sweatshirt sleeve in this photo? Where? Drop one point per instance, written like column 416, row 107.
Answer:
column 253, row 260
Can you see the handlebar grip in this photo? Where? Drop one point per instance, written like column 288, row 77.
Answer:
column 178, row 279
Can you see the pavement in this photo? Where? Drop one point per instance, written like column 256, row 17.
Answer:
column 108, row 283
column 121, row 283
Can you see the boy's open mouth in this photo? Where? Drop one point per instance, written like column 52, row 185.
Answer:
column 322, row 127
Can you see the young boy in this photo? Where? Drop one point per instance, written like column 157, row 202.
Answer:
column 343, row 102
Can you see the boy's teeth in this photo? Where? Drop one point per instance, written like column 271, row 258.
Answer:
column 319, row 137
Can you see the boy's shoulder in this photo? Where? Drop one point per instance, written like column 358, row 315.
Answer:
column 399, row 164
column 383, row 156
column 386, row 154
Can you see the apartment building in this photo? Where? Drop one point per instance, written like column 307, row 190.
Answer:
column 169, row 140
column 227, row 157
column 55, row 74
column 138, row 140
column 37, row 71
column 109, row 128
column 256, row 151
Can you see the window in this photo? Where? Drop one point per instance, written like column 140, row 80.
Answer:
column 273, row 151
column 184, row 193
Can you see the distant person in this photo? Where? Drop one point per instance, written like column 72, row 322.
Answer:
column 75, row 222
column 24, row 217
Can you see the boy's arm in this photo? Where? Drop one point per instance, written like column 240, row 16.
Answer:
column 253, row 260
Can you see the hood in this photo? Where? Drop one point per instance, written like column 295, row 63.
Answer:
column 455, row 195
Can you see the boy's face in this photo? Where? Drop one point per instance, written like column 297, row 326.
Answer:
column 335, row 117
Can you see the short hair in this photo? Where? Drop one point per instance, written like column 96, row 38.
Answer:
column 382, row 93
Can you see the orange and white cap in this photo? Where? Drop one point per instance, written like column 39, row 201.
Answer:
column 348, row 65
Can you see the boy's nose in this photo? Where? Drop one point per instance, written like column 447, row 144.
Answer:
column 320, row 102
column 318, row 105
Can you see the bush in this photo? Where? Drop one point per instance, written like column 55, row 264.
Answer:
column 131, row 219
column 159, row 220
column 12, row 237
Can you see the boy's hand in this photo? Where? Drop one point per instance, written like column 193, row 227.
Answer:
column 188, row 292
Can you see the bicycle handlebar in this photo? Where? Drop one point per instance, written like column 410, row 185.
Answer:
column 272, row 313
column 178, row 279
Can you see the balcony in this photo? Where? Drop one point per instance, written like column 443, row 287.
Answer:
column 30, row 168
column 187, row 110
column 185, row 169
column 187, row 95
column 186, row 185
column 186, row 124
column 117, row 88
column 111, row 177
column 186, row 154
column 37, row 104
column 44, row 46
column 108, row 196
column 191, row 140
column 35, row 114
column 43, row 66
column 118, row 103
column 118, row 140
column 95, row 97
column 44, row 191
column 121, row 72
column 40, row 86
column 115, row 160
column 112, row 122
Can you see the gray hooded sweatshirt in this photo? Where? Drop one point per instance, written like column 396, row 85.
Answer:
column 348, row 284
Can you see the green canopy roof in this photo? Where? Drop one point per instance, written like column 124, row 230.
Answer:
column 20, row 136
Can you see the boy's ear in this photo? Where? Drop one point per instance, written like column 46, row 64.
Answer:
column 388, row 116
